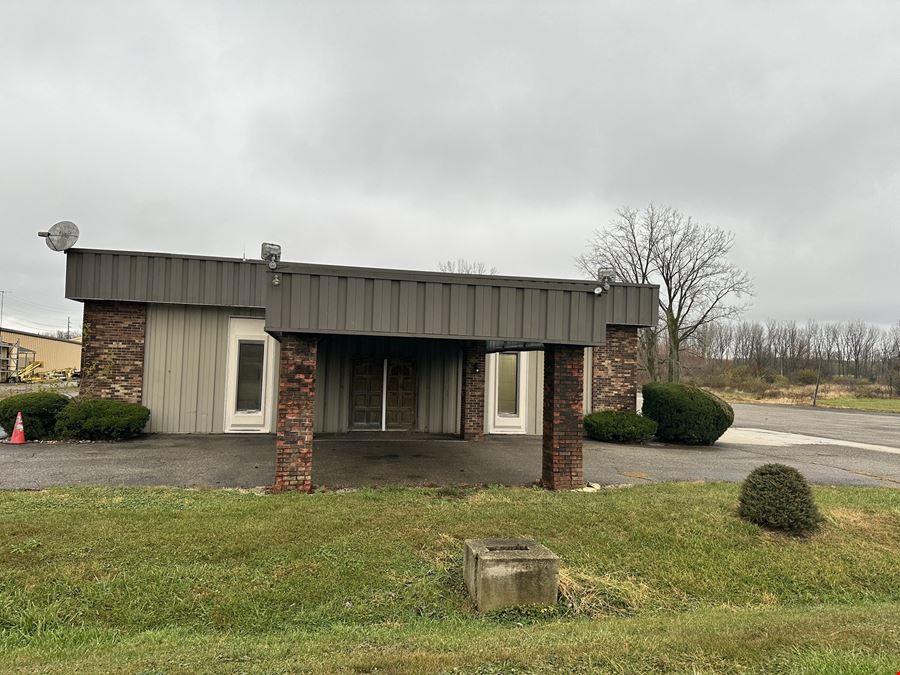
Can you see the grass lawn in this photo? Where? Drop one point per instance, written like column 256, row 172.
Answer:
column 662, row 578
column 879, row 404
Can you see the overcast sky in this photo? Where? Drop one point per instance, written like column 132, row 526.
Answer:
column 397, row 134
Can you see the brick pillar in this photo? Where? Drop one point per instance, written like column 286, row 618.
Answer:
column 112, row 350
column 294, row 426
column 614, row 370
column 562, row 467
column 471, row 405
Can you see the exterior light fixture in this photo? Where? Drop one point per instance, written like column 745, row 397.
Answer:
column 271, row 253
column 606, row 277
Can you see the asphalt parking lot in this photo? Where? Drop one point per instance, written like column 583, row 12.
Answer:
column 828, row 446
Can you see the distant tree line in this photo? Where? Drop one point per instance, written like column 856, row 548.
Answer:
column 802, row 351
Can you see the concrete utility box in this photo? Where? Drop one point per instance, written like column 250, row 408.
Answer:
column 510, row 573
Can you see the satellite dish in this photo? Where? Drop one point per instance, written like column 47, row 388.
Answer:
column 61, row 236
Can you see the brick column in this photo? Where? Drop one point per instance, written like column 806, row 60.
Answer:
column 294, row 426
column 112, row 350
column 471, row 404
column 562, row 467
column 614, row 370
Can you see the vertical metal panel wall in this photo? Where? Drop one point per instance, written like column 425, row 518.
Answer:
column 52, row 353
column 165, row 278
column 427, row 304
column 184, row 367
column 438, row 372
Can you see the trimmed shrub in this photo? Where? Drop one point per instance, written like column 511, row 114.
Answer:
column 686, row 414
column 778, row 497
column 619, row 426
column 40, row 410
column 102, row 420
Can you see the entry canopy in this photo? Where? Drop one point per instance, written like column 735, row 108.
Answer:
column 519, row 312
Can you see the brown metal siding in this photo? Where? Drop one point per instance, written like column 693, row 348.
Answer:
column 329, row 304
column 370, row 301
column 162, row 278
column 632, row 305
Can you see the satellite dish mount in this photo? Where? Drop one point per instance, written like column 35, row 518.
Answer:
column 62, row 236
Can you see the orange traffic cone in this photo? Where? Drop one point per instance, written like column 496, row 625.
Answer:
column 18, row 434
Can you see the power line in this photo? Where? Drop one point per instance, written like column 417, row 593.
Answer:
column 35, row 326
column 16, row 299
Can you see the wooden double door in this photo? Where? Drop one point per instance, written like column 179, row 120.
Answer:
column 383, row 394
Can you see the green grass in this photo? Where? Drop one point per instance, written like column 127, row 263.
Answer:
column 879, row 404
column 663, row 578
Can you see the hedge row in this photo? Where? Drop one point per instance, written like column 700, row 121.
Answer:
column 674, row 413
column 50, row 415
column 619, row 427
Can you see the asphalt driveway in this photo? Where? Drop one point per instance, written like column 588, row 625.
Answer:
column 828, row 446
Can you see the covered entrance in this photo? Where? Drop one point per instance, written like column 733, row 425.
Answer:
column 366, row 349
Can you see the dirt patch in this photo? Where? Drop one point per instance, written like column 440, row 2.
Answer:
column 14, row 388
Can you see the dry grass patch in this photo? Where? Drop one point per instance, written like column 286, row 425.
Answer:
column 602, row 595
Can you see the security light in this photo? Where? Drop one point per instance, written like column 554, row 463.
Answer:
column 271, row 253
column 605, row 277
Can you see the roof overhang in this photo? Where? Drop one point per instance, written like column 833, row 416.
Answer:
column 331, row 299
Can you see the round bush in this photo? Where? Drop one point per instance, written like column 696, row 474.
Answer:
column 778, row 497
column 619, row 427
column 102, row 420
column 686, row 414
column 39, row 409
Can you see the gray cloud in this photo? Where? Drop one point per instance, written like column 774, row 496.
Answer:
column 397, row 134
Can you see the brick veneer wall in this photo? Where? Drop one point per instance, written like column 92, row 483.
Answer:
column 562, row 466
column 112, row 351
column 471, row 405
column 614, row 370
column 296, row 401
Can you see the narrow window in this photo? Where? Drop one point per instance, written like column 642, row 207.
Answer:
column 249, row 376
column 508, row 383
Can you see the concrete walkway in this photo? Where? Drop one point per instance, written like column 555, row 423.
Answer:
column 834, row 447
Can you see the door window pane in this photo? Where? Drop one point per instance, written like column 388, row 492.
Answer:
column 249, row 376
column 508, row 383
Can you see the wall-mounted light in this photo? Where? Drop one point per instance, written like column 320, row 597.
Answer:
column 606, row 277
column 271, row 253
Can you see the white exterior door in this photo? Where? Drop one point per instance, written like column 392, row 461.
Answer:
column 505, row 392
column 250, row 378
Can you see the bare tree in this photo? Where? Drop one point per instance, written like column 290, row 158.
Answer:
column 687, row 259
column 463, row 266
column 626, row 247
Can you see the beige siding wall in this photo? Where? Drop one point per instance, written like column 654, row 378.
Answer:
column 438, row 374
column 534, row 392
column 185, row 362
column 54, row 354
column 184, row 367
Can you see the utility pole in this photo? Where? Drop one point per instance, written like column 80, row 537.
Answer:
column 68, row 328
column 2, row 294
